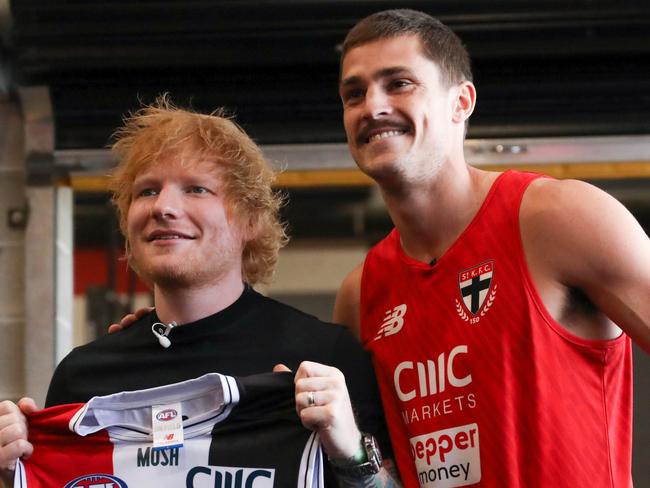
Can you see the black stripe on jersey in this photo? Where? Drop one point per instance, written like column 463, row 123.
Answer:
column 20, row 474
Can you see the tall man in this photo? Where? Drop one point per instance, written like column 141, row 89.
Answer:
column 195, row 204
column 499, row 311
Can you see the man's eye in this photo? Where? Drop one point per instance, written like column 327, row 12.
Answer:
column 199, row 190
column 401, row 83
column 352, row 95
column 147, row 192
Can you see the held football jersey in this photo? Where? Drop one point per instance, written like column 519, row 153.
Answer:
column 238, row 433
column 481, row 386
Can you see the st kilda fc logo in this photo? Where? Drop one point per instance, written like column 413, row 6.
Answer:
column 477, row 291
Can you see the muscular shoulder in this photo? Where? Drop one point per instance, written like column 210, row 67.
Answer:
column 568, row 226
column 548, row 202
column 576, row 236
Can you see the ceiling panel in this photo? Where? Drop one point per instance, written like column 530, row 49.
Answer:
column 542, row 68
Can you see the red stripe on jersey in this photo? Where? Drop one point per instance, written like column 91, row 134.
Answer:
column 65, row 457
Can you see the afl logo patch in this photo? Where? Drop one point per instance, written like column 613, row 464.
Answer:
column 97, row 481
column 166, row 415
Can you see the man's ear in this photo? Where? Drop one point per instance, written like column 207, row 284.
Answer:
column 249, row 228
column 465, row 101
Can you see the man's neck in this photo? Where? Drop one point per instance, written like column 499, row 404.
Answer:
column 431, row 215
column 185, row 305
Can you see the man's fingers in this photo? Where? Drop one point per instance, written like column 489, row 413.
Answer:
column 318, row 384
column 323, row 405
column 314, row 398
column 114, row 328
column 26, row 448
column 10, row 413
column 316, row 418
column 309, row 368
column 27, row 405
column 13, row 432
column 8, row 420
column 8, row 407
column 281, row 368
column 129, row 319
column 141, row 312
column 19, row 448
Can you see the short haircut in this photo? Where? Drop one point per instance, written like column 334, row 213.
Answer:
column 160, row 130
column 439, row 43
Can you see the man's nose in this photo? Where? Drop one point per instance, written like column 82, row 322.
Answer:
column 168, row 204
column 377, row 102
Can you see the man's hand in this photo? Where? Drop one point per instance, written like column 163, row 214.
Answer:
column 323, row 405
column 13, row 433
column 129, row 319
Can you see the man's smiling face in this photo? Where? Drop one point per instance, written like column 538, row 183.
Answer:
column 396, row 112
column 178, row 228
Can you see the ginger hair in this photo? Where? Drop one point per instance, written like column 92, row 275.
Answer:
column 161, row 130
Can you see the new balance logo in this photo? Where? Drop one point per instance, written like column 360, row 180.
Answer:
column 393, row 321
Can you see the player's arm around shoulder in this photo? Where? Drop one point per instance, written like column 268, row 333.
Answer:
column 576, row 235
column 348, row 299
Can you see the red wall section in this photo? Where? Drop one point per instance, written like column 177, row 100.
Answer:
column 91, row 269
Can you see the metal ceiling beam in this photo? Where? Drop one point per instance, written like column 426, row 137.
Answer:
column 311, row 165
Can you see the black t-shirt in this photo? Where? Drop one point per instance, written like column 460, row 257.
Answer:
column 249, row 337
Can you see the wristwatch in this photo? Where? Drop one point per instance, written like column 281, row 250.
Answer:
column 369, row 465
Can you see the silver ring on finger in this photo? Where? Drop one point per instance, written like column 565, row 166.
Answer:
column 311, row 399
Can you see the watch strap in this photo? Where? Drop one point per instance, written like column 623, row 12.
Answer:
column 366, row 462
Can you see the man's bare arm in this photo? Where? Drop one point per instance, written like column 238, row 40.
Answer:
column 577, row 236
column 346, row 307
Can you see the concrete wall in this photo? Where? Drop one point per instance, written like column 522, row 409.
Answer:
column 12, row 255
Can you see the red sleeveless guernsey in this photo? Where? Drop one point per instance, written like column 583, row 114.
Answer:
column 480, row 385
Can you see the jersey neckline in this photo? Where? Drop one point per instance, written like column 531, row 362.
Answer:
column 396, row 237
column 227, row 317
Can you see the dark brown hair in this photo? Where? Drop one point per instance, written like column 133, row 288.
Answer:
column 439, row 43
